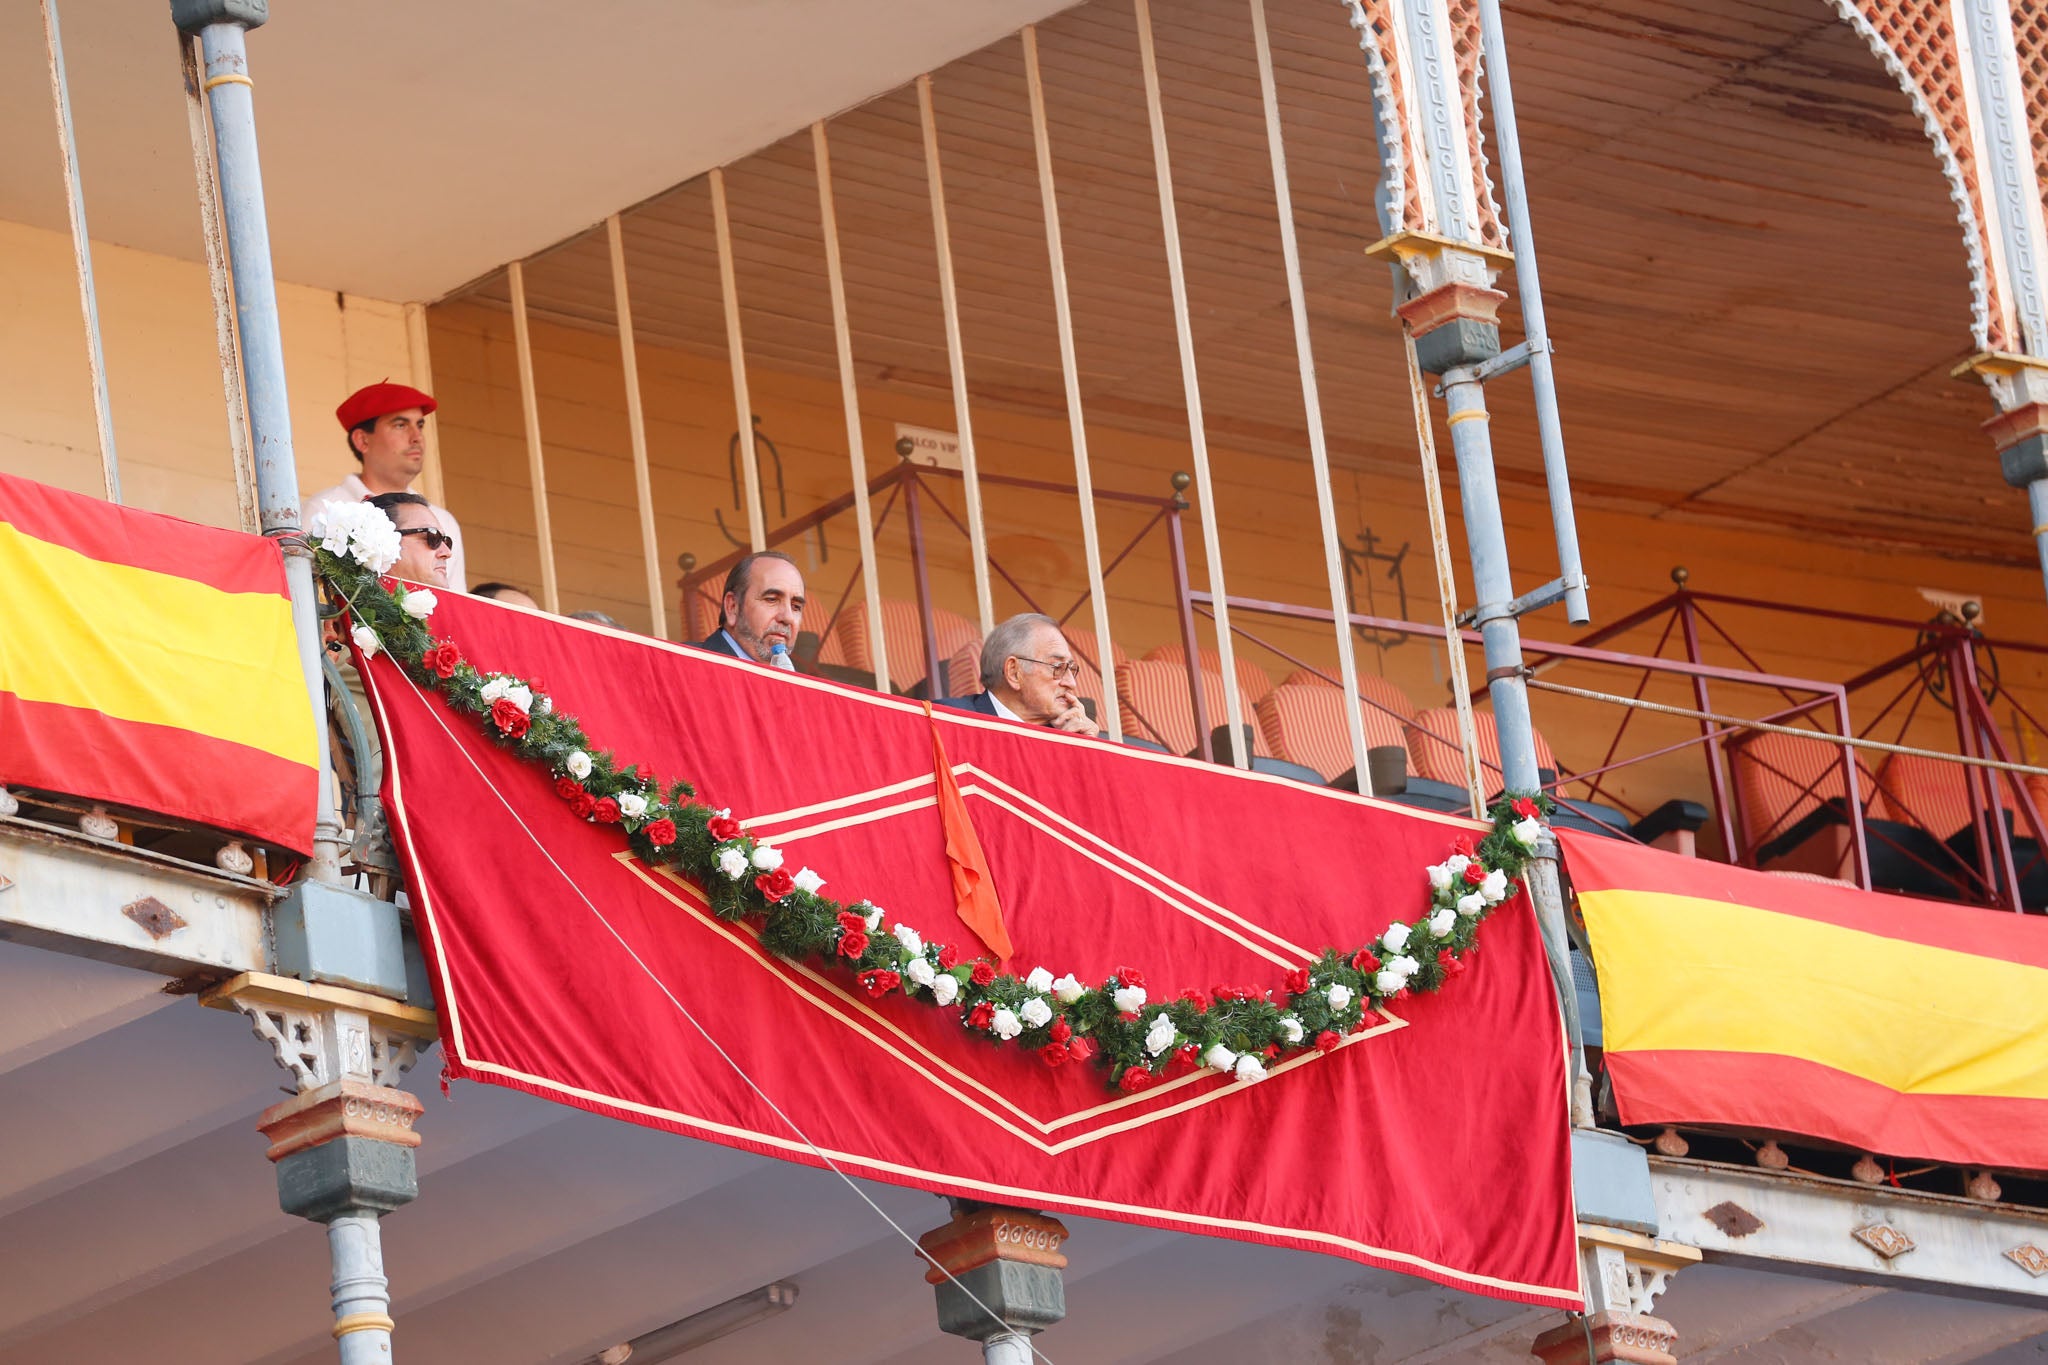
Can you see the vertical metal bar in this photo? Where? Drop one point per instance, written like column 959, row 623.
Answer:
column 2037, row 503
column 201, row 135
column 1311, row 399
column 736, row 352
column 849, row 398
column 1549, row 429
column 233, row 110
column 970, row 476
column 1994, row 853
column 536, row 463
column 419, row 354
column 1446, row 581
column 1070, row 372
column 636, row 426
column 1205, row 744
column 1852, row 787
column 1951, row 662
column 81, row 252
column 920, row 574
column 1717, row 780
column 1198, row 436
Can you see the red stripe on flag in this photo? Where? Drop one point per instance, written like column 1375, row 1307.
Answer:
column 179, row 773
column 232, row 561
column 1790, row 1094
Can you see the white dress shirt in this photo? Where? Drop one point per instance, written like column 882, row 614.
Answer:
column 352, row 489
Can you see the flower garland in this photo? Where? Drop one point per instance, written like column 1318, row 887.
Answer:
column 1116, row 1024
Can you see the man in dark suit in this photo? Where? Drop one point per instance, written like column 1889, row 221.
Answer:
column 1029, row 674
column 762, row 608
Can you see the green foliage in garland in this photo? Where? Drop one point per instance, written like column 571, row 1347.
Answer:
column 1113, row 1024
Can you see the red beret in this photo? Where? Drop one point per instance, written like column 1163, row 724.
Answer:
column 372, row 401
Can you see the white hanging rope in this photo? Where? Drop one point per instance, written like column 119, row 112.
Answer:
column 1311, row 401
column 1070, row 371
column 1198, row 437
column 736, row 352
column 849, row 397
column 529, row 408
column 970, row 475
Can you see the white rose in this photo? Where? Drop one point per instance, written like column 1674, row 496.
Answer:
column 1440, row 878
column 732, row 863
column 808, row 881
column 907, row 936
column 519, row 696
column 1405, row 965
column 578, row 765
column 1251, row 1067
column 1526, row 831
column 945, row 988
column 1040, row 980
column 1494, row 889
column 1006, row 1025
column 1456, row 864
column 874, row 918
column 1160, row 1036
column 366, row 640
column 1396, row 937
column 494, row 688
column 1219, row 1057
column 1443, row 921
column 632, row 806
column 1036, row 1013
column 1290, row 1028
column 1068, row 990
column 921, row 972
column 543, row 704
column 767, row 859
column 1339, row 996
column 419, row 603
column 1390, row 983
column 1468, row 906
column 1128, row 999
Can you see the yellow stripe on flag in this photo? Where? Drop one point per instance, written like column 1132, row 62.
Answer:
column 151, row 647
column 1685, row 974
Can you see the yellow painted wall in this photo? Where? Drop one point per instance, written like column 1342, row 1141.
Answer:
column 1267, row 520
column 163, row 374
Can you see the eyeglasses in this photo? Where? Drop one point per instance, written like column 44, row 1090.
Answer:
column 436, row 537
column 1070, row 669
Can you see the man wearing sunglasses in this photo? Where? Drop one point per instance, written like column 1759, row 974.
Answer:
column 1029, row 674
column 387, row 433
column 424, row 549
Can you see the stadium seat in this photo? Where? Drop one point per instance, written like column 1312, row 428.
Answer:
column 1305, row 723
column 1154, row 693
column 1794, row 817
column 1252, row 680
column 848, row 640
column 1433, row 750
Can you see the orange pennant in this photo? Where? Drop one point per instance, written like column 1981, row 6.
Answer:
column 974, row 891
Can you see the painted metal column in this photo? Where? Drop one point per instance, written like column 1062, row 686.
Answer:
column 221, row 26
column 999, row 1276
column 362, row 1294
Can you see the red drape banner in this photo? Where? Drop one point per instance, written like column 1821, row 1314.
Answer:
column 1434, row 1142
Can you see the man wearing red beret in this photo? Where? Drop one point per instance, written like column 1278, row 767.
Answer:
column 387, row 431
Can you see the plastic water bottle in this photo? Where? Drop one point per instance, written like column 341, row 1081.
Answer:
column 778, row 657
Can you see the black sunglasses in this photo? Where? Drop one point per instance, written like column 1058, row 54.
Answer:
column 436, row 537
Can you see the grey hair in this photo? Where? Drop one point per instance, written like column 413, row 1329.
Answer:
column 1006, row 642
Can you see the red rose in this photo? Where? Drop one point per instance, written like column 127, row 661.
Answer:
column 1272, row 1050
column 1449, row 962
column 982, row 974
column 981, row 1016
column 879, row 982
column 1474, row 874
column 607, row 811
column 1297, row 981
column 1128, row 977
column 1326, row 1041
column 853, row 944
column 773, row 886
column 509, row 719
column 1060, row 1031
column 1183, row 1061
column 1134, row 1079
column 568, row 788
column 1364, row 961
column 949, row 958
column 1525, row 807
column 661, row 833
column 1196, row 999
column 441, row 659
column 852, row 923
column 583, row 805
column 1053, row 1054
column 539, row 686
column 722, row 828
column 1081, row 1049
column 387, row 582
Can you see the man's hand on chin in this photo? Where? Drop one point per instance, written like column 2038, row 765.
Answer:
column 1074, row 721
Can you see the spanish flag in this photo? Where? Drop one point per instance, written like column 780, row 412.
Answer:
column 150, row 662
column 1897, row 1026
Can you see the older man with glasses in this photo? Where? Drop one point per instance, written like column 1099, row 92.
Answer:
column 424, row 549
column 1029, row 674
